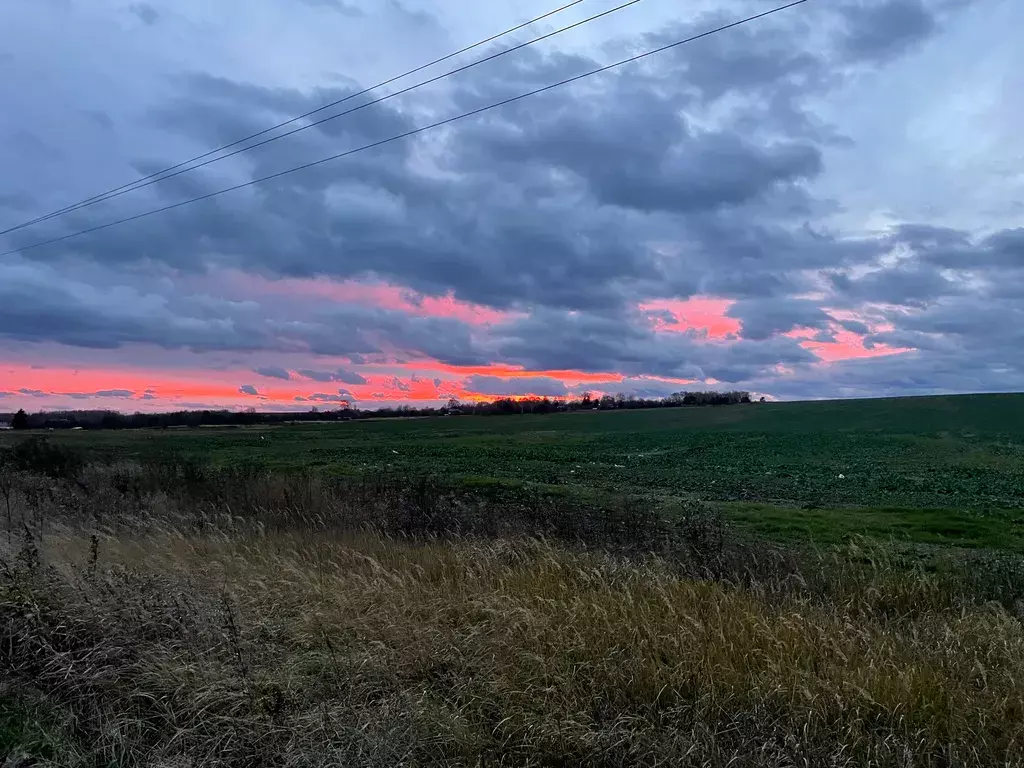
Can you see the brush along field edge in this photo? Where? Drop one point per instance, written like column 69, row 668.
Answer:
column 233, row 644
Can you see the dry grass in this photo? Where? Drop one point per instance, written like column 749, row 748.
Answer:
column 169, row 643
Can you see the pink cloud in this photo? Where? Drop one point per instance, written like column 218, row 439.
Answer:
column 703, row 315
column 376, row 294
column 848, row 346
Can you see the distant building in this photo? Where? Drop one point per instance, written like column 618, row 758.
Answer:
column 5, row 425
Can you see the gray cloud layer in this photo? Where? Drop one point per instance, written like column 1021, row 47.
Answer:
column 699, row 172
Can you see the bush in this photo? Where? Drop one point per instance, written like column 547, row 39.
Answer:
column 42, row 457
column 178, row 614
column 236, row 645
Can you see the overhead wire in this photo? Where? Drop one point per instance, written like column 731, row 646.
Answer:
column 414, row 132
column 130, row 186
column 316, row 123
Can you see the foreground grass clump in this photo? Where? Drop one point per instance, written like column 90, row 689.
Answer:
column 225, row 642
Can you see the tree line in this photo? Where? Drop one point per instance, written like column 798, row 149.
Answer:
column 454, row 407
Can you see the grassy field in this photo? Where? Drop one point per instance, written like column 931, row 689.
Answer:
column 599, row 589
column 941, row 470
column 239, row 620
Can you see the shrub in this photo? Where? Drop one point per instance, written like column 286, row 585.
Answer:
column 40, row 456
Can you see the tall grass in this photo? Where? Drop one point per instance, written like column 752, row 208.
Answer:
column 143, row 623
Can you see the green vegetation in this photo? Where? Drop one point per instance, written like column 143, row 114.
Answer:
column 943, row 470
column 834, row 584
column 177, row 614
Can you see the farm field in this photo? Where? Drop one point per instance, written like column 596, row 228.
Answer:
column 610, row 588
column 936, row 470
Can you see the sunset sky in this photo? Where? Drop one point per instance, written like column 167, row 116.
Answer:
column 827, row 202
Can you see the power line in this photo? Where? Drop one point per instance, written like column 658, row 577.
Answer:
column 142, row 183
column 132, row 185
column 413, row 132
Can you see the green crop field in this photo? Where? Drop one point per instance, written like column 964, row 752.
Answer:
column 933, row 470
column 559, row 591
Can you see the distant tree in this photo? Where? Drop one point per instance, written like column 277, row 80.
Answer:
column 111, row 421
column 20, row 420
column 454, row 404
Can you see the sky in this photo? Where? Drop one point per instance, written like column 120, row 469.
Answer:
column 826, row 202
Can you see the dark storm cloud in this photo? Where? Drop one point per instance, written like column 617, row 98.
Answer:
column 525, row 213
column 883, row 30
column 754, row 59
column 935, row 263
column 950, row 366
column 970, row 318
column 1003, row 249
column 146, row 13
column 322, row 397
column 624, row 343
column 764, row 318
column 542, row 386
column 699, row 172
column 273, row 372
column 627, row 141
column 348, row 377
column 321, row 376
column 855, row 326
column 242, row 108
column 113, row 394
column 912, row 284
column 345, row 377
column 943, row 247
column 37, row 305
column 750, row 283
column 369, row 330
column 691, row 173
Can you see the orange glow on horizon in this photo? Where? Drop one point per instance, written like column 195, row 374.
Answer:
column 387, row 381
column 170, row 389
